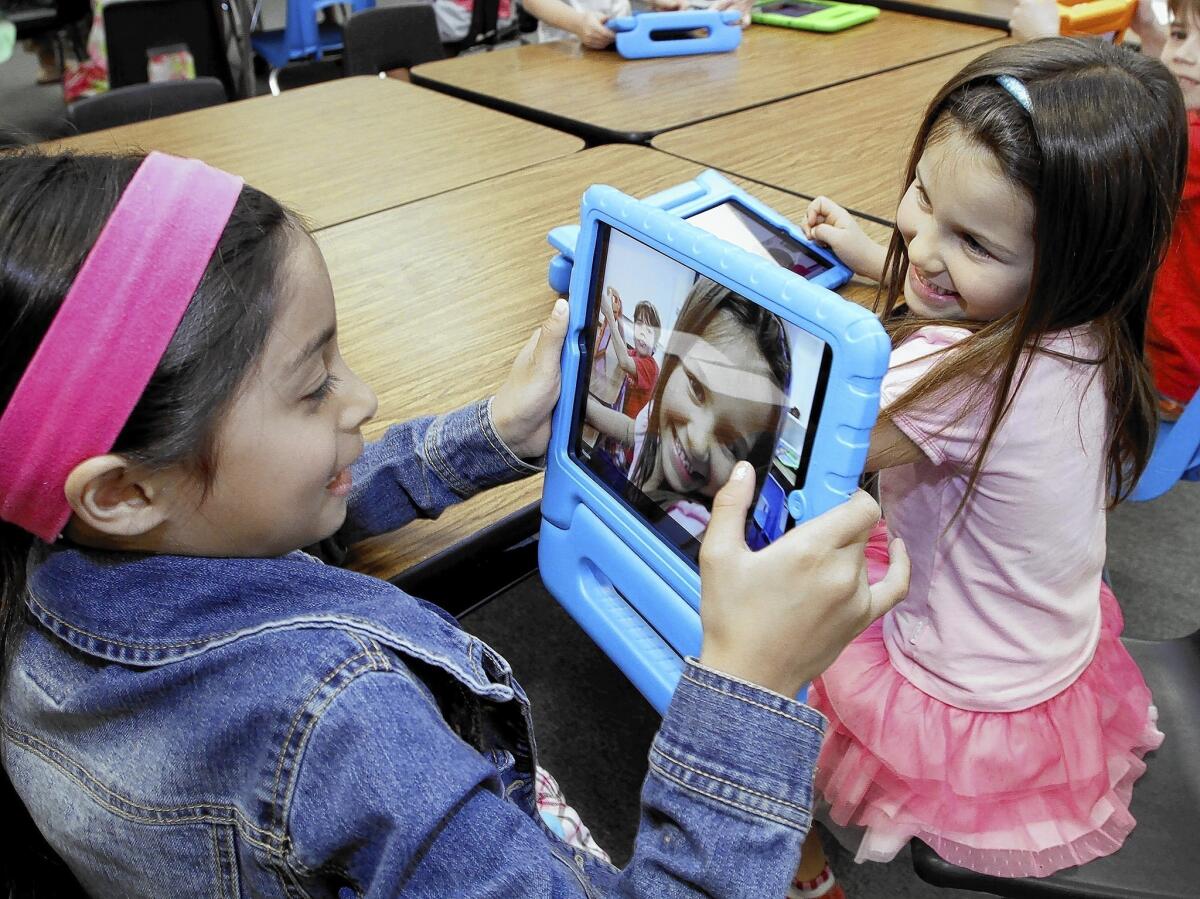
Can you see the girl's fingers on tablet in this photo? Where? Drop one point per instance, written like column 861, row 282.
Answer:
column 848, row 524
column 549, row 336
column 726, row 530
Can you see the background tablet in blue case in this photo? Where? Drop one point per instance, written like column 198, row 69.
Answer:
column 721, row 207
column 678, row 33
column 685, row 354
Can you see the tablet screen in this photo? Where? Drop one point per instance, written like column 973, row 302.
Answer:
column 735, row 223
column 683, row 378
column 792, row 9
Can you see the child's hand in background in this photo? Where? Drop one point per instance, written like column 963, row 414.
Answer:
column 1150, row 31
column 778, row 617
column 744, row 5
column 828, row 223
column 1032, row 19
column 606, row 302
column 592, row 32
column 521, row 407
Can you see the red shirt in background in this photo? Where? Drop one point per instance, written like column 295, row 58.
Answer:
column 639, row 388
column 1173, row 328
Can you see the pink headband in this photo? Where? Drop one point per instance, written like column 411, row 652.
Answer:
column 109, row 334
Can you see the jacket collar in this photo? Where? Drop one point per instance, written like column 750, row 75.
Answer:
column 151, row 610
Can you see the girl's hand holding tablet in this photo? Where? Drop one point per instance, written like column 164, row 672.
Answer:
column 779, row 616
column 828, row 223
column 521, row 407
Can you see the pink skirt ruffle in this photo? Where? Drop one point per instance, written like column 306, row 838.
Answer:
column 1012, row 794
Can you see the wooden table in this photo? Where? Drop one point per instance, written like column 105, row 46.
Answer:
column 346, row 148
column 987, row 13
column 604, row 98
column 849, row 142
column 436, row 297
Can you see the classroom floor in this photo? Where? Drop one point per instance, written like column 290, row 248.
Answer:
column 594, row 729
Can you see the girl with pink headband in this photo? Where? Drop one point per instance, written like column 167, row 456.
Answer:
column 192, row 705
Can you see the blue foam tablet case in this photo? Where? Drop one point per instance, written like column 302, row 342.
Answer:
column 633, row 593
column 635, row 34
column 706, row 190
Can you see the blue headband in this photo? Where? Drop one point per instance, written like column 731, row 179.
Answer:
column 1016, row 90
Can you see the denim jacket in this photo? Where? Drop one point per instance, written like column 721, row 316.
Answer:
column 190, row 727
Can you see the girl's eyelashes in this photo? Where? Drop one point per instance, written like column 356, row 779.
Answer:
column 1179, row 34
column 323, row 391
column 975, row 247
column 695, row 389
column 922, row 197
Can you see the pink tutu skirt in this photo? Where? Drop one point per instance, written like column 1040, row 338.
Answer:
column 1013, row 794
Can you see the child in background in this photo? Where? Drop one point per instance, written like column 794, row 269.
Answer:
column 454, row 18
column 192, row 706
column 585, row 19
column 582, row 19
column 1015, row 409
column 1173, row 326
column 607, row 378
column 1033, row 19
column 719, row 400
column 637, row 361
column 1173, row 329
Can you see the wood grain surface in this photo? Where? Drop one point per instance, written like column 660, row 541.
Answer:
column 346, row 148
column 635, row 99
column 849, row 142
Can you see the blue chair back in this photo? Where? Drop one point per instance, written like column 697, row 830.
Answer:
column 1176, row 455
column 301, row 36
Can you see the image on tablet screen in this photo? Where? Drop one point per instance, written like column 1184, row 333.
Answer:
column 684, row 378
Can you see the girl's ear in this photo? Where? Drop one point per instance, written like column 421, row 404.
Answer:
column 111, row 496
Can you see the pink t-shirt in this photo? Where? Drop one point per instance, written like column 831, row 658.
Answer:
column 1003, row 609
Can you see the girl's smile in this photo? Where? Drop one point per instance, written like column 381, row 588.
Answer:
column 690, row 476
column 933, row 294
column 968, row 231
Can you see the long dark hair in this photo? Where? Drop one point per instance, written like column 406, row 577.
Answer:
column 51, row 210
column 1102, row 155
column 704, row 303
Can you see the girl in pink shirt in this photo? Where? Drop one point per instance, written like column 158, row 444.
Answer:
column 995, row 714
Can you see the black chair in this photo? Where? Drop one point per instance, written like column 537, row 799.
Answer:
column 139, row 102
column 1160, row 859
column 33, row 20
column 135, row 26
column 390, row 37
